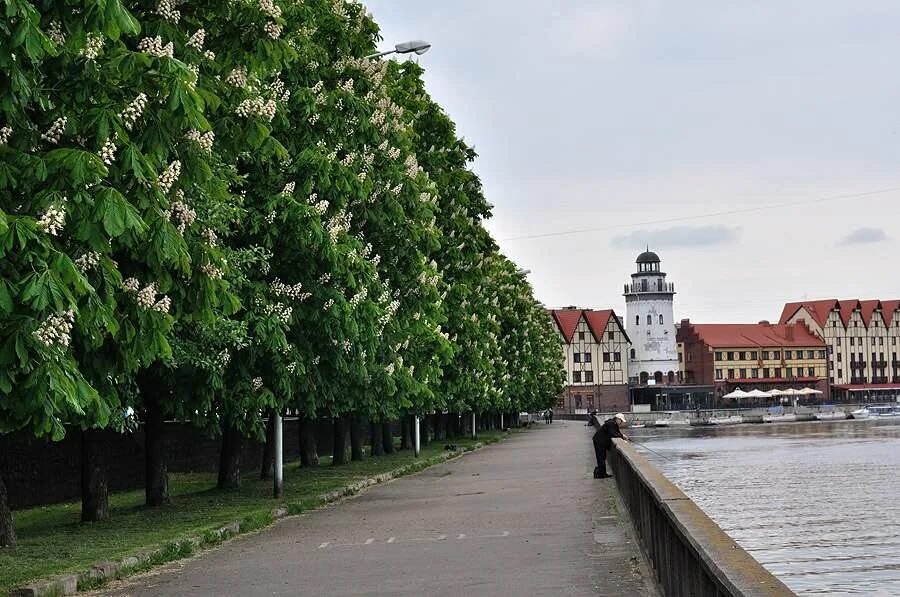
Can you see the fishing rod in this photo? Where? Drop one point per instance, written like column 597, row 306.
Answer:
column 644, row 446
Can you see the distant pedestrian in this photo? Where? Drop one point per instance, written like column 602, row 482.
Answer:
column 603, row 440
column 550, row 415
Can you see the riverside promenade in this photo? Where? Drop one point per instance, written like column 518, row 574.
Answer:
column 522, row 517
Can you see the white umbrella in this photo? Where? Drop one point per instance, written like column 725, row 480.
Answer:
column 759, row 394
column 808, row 391
column 738, row 393
column 776, row 393
column 789, row 392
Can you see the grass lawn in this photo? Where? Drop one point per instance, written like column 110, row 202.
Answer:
column 52, row 540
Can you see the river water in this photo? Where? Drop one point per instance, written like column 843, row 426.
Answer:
column 818, row 504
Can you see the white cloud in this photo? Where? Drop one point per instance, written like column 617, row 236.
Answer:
column 864, row 236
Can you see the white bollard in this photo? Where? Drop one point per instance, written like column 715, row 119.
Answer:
column 279, row 459
column 474, row 435
column 416, row 440
column 501, row 422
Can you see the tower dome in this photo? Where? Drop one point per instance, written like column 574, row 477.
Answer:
column 648, row 256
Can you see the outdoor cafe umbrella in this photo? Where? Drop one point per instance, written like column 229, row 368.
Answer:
column 758, row 394
column 776, row 392
column 808, row 392
column 738, row 393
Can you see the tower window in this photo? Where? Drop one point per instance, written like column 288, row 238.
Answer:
column 632, row 353
column 649, row 319
column 637, row 320
column 660, row 319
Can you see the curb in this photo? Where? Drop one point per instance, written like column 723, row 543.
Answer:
column 101, row 572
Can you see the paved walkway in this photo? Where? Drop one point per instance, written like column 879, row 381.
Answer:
column 523, row 517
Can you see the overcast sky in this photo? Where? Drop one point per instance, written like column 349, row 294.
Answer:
column 634, row 117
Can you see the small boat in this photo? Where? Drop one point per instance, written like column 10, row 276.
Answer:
column 671, row 422
column 777, row 415
column 892, row 410
column 860, row 413
column 830, row 414
column 729, row 420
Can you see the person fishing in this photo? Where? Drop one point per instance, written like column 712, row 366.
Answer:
column 603, row 440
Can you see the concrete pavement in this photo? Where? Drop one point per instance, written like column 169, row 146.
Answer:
column 523, row 517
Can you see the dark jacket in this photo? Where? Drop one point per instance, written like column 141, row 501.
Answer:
column 606, row 432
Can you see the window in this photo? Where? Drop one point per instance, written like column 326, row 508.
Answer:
column 731, row 374
column 840, row 373
column 660, row 319
column 787, row 354
column 765, row 355
column 637, row 320
column 838, row 340
column 881, row 340
column 605, row 357
column 587, row 357
column 730, row 356
column 743, row 373
column 811, row 372
column 611, row 335
column 576, row 376
column 589, row 376
column 643, row 285
column 852, row 341
column 742, row 356
column 577, row 400
column 718, row 374
column 777, row 372
column 852, row 357
column 776, row 355
column 581, row 335
column 577, row 357
column 754, row 373
column 821, row 354
column 617, row 357
column 753, row 355
column 718, row 356
column 811, row 354
column 765, row 372
column 790, row 372
column 840, row 358
column 649, row 319
column 633, row 353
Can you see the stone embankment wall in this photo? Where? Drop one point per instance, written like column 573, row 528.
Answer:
column 690, row 554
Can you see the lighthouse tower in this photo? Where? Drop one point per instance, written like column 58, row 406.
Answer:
column 651, row 323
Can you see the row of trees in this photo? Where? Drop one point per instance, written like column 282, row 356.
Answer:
column 219, row 210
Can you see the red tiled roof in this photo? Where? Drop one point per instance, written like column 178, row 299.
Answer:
column 818, row 309
column 567, row 320
column 868, row 308
column 887, row 309
column 597, row 321
column 867, row 386
column 738, row 335
column 847, row 309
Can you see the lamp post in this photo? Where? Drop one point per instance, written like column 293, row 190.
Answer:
column 418, row 47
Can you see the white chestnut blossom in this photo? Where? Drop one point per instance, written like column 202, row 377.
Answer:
column 54, row 219
column 181, row 214
column 169, row 176
column 270, row 218
column 289, row 188
column 211, row 238
column 256, row 384
column 316, row 360
column 154, row 46
column 92, row 46
column 56, row 130
column 134, row 110
column 328, row 304
column 5, row 132
column 321, row 207
column 223, row 358
column 88, row 261
column 166, row 9
column 162, row 305
column 272, row 29
column 270, row 8
column 108, row 152
column 146, row 296
column 281, row 289
column 131, row 285
column 281, row 311
column 212, row 271
column 56, row 330
column 237, row 77
column 55, row 33
column 204, row 140
column 197, row 39
column 257, row 106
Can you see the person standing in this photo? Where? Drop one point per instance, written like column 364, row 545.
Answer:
column 603, row 440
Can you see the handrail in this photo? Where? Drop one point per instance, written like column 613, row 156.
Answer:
column 692, row 556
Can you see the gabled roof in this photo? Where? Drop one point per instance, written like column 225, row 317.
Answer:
column 847, row 309
column 597, row 322
column 887, row 309
column 755, row 335
column 567, row 320
column 818, row 309
column 868, row 308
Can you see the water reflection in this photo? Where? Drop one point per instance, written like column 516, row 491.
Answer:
column 818, row 503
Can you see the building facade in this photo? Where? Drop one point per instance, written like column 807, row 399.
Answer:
column 595, row 349
column 650, row 323
column 863, row 343
column 753, row 356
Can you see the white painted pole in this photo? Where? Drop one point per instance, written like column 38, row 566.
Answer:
column 416, row 439
column 279, row 459
column 473, row 425
column 501, row 422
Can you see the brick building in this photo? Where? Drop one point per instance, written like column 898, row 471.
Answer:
column 595, row 349
column 863, row 343
column 752, row 356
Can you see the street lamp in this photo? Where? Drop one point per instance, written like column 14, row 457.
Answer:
column 417, row 46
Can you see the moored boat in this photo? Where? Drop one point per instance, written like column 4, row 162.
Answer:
column 777, row 415
column 860, row 413
column 729, row 420
column 890, row 410
column 830, row 414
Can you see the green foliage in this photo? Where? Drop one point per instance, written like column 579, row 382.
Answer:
column 231, row 196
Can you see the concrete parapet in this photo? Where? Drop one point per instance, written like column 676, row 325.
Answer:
column 691, row 555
